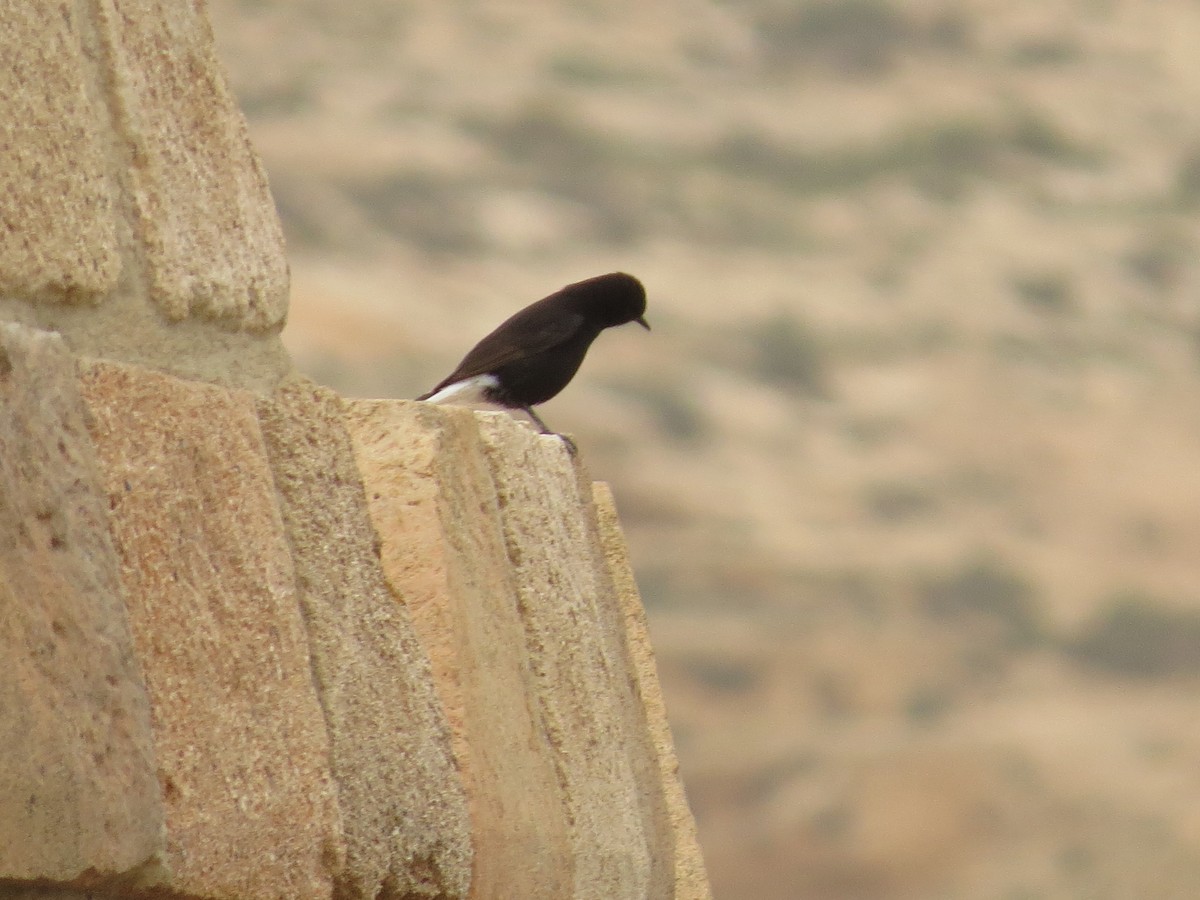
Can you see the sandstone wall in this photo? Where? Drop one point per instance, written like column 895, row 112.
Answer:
column 260, row 641
column 136, row 219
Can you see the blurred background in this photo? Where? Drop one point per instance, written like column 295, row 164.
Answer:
column 910, row 464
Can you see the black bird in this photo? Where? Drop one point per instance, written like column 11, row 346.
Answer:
column 534, row 354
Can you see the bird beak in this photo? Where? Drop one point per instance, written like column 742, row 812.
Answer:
column 641, row 320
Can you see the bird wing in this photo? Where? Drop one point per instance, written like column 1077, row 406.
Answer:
column 527, row 333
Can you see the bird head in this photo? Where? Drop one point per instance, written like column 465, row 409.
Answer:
column 610, row 300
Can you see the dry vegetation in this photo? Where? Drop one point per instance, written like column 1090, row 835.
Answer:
column 909, row 462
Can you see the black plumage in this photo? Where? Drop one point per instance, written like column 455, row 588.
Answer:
column 535, row 353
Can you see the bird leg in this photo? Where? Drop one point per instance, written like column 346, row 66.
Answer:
column 571, row 448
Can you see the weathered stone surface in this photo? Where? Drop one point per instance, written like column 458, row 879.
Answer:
column 47, row 892
column 57, row 213
column 240, row 737
column 433, row 503
column 691, row 879
column 136, row 218
column 407, row 825
column 78, row 794
column 581, row 675
column 210, row 238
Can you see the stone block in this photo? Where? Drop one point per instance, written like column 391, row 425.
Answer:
column 136, row 217
column 79, row 800
column 691, row 878
column 433, row 502
column 203, row 222
column 402, row 800
column 58, row 214
column 243, row 756
column 574, row 635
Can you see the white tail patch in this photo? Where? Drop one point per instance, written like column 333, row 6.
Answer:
column 468, row 392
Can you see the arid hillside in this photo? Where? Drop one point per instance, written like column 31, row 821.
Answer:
column 909, row 461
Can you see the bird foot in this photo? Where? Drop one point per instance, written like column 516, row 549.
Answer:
column 544, row 429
